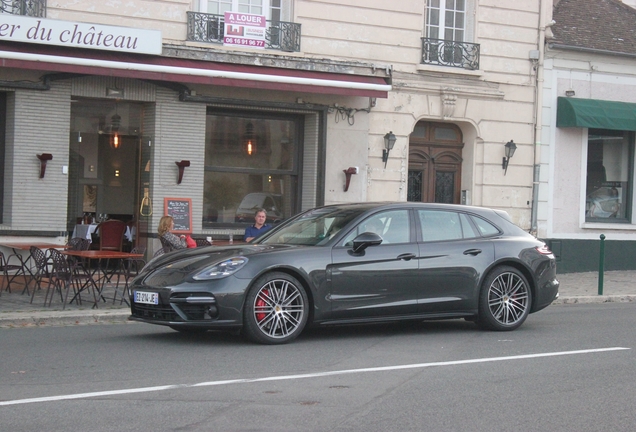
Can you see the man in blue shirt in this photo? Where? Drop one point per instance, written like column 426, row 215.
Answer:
column 259, row 226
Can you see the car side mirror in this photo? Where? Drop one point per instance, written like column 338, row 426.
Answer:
column 365, row 240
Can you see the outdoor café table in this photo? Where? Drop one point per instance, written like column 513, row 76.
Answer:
column 25, row 262
column 101, row 277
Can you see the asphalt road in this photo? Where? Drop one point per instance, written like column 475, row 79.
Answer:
column 568, row 368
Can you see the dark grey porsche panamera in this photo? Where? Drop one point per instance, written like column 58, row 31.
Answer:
column 354, row 263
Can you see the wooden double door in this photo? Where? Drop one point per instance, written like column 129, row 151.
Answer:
column 435, row 161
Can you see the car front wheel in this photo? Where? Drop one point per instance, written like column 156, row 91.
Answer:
column 504, row 300
column 276, row 309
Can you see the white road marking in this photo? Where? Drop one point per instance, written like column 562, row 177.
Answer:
column 303, row 376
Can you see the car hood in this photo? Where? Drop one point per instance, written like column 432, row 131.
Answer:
column 182, row 263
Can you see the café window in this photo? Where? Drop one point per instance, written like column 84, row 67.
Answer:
column 251, row 162
column 610, row 172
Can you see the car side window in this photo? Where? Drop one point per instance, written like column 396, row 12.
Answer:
column 486, row 229
column 393, row 226
column 444, row 225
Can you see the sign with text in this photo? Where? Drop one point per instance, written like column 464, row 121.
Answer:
column 181, row 211
column 18, row 28
column 243, row 29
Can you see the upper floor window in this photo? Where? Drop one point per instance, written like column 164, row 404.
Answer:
column 449, row 33
column 34, row 8
column 274, row 10
column 446, row 19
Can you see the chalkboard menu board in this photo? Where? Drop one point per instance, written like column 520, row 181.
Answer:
column 181, row 211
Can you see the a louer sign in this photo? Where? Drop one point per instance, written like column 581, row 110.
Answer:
column 19, row 28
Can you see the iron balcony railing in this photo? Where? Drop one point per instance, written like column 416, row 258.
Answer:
column 280, row 35
column 34, row 8
column 450, row 53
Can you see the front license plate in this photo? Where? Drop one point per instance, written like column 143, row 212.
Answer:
column 146, row 297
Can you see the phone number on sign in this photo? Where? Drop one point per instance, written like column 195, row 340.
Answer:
column 249, row 42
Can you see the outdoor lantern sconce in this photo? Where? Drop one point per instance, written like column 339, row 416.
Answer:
column 44, row 158
column 182, row 165
column 115, row 123
column 389, row 142
column 249, row 139
column 510, row 151
column 348, row 172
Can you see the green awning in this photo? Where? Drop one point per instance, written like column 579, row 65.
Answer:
column 596, row 114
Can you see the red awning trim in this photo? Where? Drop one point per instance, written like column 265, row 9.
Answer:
column 200, row 72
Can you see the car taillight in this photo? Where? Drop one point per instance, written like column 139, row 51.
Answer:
column 544, row 250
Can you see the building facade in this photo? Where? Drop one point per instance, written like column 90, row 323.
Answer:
column 111, row 108
column 589, row 112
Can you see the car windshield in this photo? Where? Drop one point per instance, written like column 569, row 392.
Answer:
column 313, row 228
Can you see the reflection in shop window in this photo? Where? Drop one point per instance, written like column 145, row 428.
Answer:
column 610, row 162
column 251, row 162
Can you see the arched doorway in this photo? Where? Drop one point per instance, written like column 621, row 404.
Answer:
column 435, row 162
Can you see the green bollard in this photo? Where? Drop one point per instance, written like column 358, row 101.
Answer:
column 601, row 265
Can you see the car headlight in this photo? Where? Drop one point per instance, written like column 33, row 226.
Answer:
column 221, row 269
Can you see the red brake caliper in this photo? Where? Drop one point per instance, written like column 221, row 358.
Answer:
column 260, row 304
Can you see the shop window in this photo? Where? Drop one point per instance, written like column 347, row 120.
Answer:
column 3, row 124
column 610, row 172
column 251, row 162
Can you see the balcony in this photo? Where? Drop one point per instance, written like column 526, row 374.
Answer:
column 33, row 8
column 279, row 35
column 440, row 52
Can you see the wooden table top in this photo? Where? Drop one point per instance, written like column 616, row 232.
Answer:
column 39, row 245
column 98, row 254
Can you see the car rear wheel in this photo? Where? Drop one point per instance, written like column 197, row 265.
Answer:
column 276, row 309
column 504, row 300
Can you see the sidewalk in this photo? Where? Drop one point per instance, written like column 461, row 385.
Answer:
column 17, row 311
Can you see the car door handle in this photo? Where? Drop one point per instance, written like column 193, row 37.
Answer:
column 472, row 252
column 406, row 256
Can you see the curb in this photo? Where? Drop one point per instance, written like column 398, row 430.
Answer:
column 626, row 298
column 63, row 318
column 120, row 316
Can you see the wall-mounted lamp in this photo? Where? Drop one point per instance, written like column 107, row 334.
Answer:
column 249, row 139
column 570, row 93
column 116, row 173
column 348, row 172
column 510, row 151
column 389, row 142
column 182, row 165
column 44, row 158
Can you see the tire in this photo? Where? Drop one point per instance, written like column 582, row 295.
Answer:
column 505, row 299
column 276, row 309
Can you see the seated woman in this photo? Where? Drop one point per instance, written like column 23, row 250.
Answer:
column 166, row 225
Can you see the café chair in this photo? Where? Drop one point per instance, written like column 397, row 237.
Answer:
column 127, row 268
column 41, row 270
column 111, row 235
column 165, row 245
column 160, row 251
column 202, row 242
column 15, row 269
column 66, row 277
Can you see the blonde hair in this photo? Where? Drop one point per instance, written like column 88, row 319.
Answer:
column 164, row 224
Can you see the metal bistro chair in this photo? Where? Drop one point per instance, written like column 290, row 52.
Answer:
column 128, row 268
column 42, row 269
column 17, row 269
column 202, row 242
column 161, row 251
column 66, row 276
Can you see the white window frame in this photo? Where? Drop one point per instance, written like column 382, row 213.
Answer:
column 469, row 21
column 285, row 8
column 265, row 6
